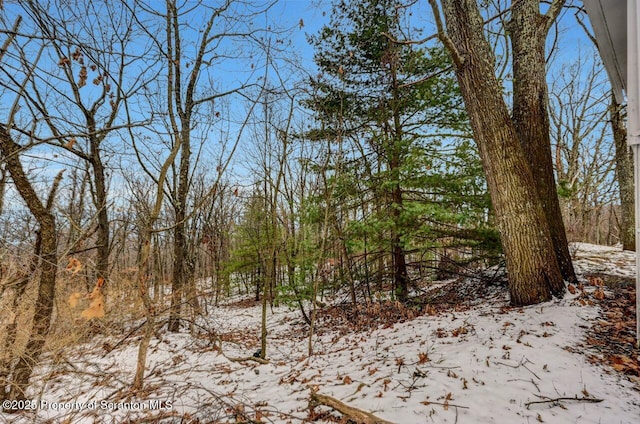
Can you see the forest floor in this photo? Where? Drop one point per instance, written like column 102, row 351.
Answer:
column 465, row 357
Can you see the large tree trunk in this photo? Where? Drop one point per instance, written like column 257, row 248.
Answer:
column 528, row 32
column 624, row 175
column 43, row 311
column 48, row 264
column 11, row 296
column 531, row 261
column 100, row 201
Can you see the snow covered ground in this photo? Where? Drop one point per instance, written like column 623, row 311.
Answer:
column 480, row 362
column 608, row 260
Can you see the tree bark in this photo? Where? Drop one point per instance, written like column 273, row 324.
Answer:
column 400, row 274
column 531, row 261
column 181, row 110
column 624, row 175
column 180, row 252
column 48, row 264
column 12, row 294
column 100, row 201
column 528, row 32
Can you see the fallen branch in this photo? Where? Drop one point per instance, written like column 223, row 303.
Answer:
column 557, row 400
column 241, row 358
column 354, row 414
column 247, row 358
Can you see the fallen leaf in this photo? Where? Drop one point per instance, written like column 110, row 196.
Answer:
column 74, row 265
column 74, row 298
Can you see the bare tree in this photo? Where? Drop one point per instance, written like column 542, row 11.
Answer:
column 146, row 231
column 46, row 250
column 583, row 153
column 46, row 238
column 191, row 94
column 624, row 176
column 623, row 160
column 81, row 101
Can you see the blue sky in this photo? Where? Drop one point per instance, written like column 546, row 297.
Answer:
column 313, row 14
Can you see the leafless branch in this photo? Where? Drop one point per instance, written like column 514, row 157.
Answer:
column 559, row 399
column 409, row 42
column 444, row 37
column 12, row 36
column 552, row 13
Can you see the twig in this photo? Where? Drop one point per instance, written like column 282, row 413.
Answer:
column 447, row 404
column 520, row 364
column 409, row 42
column 12, row 36
column 557, row 400
column 136, row 328
column 534, row 374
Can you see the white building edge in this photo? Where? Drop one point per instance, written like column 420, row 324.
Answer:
column 617, row 33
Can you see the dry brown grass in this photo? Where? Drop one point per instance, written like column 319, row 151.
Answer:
column 105, row 311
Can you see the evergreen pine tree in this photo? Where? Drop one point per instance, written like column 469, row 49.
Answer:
column 383, row 101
